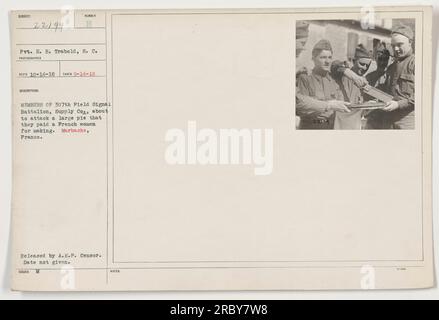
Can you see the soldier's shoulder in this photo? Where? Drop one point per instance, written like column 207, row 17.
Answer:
column 345, row 81
column 304, row 78
column 392, row 65
column 411, row 63
column 391, row 68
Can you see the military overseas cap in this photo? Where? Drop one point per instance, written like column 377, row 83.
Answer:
column 405, row 31
column 362, row 52
column 320, row 46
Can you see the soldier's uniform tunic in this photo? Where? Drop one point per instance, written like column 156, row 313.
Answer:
column 322, row 87
column 400, row 83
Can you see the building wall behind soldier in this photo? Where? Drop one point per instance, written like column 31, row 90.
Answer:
column 345, row 36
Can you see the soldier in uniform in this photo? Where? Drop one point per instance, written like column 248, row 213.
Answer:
column 305, row 105
column 319, row 94
column 400, row 83
column 351, row 92
column 378, row 78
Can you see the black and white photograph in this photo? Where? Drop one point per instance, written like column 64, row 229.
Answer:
column 355, row 75
column 166, row 151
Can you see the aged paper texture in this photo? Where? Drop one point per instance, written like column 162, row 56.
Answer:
column 284, row 149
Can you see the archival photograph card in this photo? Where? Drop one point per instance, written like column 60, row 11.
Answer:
column 232, row 149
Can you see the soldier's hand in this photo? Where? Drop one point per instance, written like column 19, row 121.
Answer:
column 358, row 80
column 367, row 87
column 337, row 105
column 391, row 106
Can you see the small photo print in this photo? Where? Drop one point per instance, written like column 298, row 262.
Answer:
column 352, row 75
